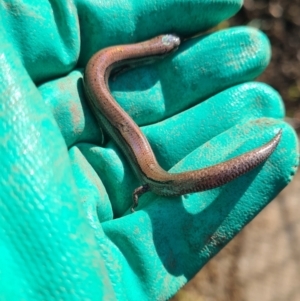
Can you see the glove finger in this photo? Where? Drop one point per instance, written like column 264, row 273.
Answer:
column 145, row 19
column 200, row 68
column 44, row 35
column 187, row 231
column 176, row 137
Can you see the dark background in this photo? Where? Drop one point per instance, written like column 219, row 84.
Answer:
column 280, row 21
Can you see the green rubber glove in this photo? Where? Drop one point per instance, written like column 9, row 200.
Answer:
column 66, row 231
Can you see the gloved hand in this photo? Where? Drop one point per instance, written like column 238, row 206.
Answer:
column 61, row 186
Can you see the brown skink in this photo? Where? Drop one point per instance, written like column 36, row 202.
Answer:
column 135, row 146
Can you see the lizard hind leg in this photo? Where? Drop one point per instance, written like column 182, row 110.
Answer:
column 137, row 193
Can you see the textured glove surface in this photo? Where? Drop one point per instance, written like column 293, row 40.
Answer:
column 61, row 186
